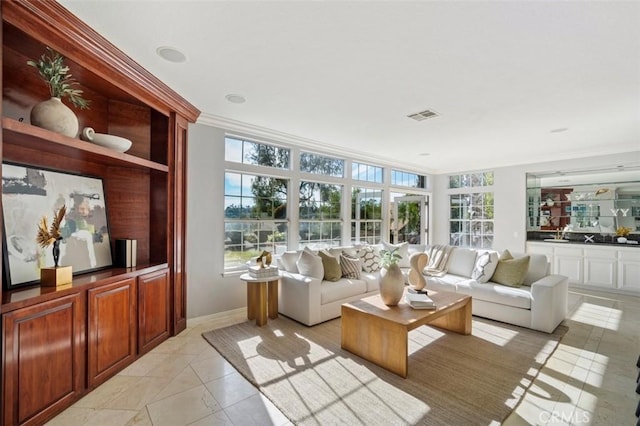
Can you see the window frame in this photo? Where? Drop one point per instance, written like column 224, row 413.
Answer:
column 474, row 224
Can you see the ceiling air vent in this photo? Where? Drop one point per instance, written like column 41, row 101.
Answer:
column 423, row 115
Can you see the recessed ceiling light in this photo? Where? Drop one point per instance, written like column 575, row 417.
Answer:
column 171, row 54
column 559, row 130
column 424, row 154
column 236, row 99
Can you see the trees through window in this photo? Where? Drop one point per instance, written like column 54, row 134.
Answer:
column 471, row 220
column 320, row 218
column 261, row 181
column 366, row 215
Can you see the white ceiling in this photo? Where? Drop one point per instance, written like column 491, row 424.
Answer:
column 344, row 75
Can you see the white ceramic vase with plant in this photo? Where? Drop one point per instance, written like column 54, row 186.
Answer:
column 52, row 114
column 391, row 281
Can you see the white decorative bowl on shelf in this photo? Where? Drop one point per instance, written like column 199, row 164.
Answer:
column 115, row 143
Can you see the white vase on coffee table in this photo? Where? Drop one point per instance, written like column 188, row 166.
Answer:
column 391, row 285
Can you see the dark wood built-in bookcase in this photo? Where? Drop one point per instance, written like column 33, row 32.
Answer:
column 60, row 343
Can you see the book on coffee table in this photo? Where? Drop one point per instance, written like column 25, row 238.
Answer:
column 419, row 301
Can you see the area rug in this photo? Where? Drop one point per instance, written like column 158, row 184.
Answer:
column 453, row 379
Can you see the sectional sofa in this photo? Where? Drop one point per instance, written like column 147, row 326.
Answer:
column 539, row 303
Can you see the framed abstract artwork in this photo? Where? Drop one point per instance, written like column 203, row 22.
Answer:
column 30, row 193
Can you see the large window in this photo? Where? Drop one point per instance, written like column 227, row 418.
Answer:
column 366, row 172
column 470, row 180
column 255, row 214
column 319, row 164
column 260, row 154
column 279, row 198
column 366, row 215
column 320, row 214
column 412, row 180
column 471, row 219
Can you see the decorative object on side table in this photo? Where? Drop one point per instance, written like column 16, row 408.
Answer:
column 263, row 268
column 391, row 279
column 46, row 236
column 622, row 233
column 113, row 142
column 52, row 114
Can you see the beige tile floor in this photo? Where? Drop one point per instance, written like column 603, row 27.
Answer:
column 590, row 379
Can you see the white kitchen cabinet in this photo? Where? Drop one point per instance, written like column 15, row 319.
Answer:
column 602, row 267
column 629, row 270
column 569, row 261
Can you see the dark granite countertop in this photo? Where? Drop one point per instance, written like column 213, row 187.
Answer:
column 596, row 239
column 583, row 243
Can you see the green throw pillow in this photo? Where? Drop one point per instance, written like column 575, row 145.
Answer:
column 332, row 269
column 511, row 271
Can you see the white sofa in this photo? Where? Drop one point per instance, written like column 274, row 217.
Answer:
column 312, row 300
column 540, row 303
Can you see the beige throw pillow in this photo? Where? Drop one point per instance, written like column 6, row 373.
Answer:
column 511, row 271
column 332, row 270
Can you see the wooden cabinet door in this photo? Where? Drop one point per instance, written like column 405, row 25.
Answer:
column 112, row 330
column 44, row 359
column 153, row 309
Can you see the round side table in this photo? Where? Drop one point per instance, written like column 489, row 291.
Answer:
column 262, row 298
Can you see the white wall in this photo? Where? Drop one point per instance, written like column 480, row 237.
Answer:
column 209, row 292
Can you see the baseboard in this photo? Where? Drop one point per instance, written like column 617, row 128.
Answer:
column 238, row 312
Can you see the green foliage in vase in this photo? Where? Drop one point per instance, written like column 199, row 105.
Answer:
column 56, row 74
column 389, row 258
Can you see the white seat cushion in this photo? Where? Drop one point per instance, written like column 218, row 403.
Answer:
column 330, row 291
column 371, row 279
column 496, row 293
column 444, row 283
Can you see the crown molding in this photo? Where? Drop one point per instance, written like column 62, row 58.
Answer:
column 311, row 144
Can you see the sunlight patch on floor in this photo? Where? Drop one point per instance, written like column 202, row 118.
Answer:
column 598, row 316
column 496, row 335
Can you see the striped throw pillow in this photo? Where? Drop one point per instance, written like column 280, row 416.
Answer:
column 351, row 266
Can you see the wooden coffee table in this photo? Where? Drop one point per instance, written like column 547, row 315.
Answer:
column 379, row 333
